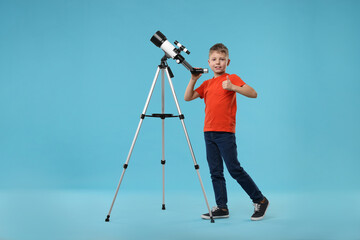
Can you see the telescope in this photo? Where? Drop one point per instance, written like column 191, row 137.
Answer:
column 171, row 51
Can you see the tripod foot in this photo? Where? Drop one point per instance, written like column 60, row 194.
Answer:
column 212, row 220
column 107, row 218
column 163, row 207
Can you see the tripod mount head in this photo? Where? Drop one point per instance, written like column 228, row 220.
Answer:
column 171, row 51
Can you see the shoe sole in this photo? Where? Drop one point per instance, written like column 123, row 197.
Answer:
column 259, row 218
column 214, row 217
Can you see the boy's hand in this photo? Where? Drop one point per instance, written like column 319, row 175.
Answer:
column 196, row 76
column 227, row 85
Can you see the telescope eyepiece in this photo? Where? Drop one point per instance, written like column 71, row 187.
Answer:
column 199, row 70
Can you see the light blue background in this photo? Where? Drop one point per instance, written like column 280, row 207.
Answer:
column 74, row 77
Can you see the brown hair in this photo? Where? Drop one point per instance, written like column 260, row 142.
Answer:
column 219, row 47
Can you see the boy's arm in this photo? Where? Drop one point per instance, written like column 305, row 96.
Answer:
column 190, row 94
column 245, row 90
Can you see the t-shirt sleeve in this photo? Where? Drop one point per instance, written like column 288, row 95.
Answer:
column 235, row 79
column 201, row 89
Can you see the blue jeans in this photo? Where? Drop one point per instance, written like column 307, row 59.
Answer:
column 219, row 146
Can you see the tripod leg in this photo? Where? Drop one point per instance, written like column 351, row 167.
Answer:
column 189, row 144
column 163, row 135
column 133, row 142
column 163, row 169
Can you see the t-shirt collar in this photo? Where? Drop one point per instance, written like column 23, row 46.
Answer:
column 223, row 75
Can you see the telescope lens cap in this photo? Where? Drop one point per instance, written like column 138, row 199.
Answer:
column 158, row 39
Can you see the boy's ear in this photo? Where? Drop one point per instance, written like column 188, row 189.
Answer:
column 228, row 62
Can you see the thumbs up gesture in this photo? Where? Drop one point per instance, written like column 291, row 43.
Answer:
column 227, row 85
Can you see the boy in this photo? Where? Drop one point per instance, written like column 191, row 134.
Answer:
column 219, row 94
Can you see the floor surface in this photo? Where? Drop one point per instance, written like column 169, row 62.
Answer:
column 80, row 214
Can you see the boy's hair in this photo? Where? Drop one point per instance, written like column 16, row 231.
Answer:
column 219, row 47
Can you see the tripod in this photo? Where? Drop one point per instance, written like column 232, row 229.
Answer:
column 164, row 69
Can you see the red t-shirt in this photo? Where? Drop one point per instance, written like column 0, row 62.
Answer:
column 220, row 104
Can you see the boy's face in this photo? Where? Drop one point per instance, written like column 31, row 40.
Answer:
column 218, row 62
